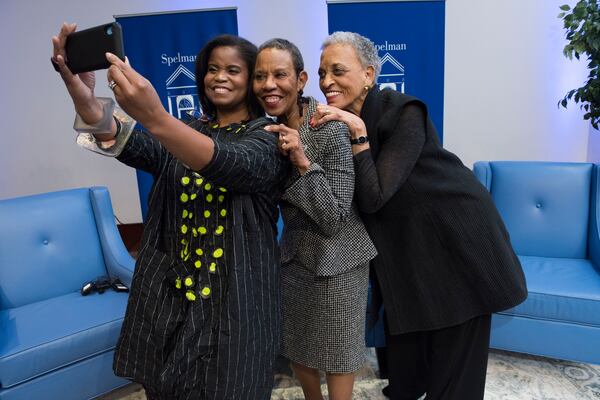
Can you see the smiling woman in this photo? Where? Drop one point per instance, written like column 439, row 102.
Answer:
column 226, row 85
column 198, row 313
column 325, row 248
column 445, row 260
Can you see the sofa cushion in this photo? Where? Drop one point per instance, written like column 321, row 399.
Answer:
column 544, row 205
column 50, row 334
column 560, row 289
column 48, row 244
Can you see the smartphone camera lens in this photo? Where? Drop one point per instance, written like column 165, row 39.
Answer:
column 109, row 30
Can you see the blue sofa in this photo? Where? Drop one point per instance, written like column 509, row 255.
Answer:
column 56, row 343
column 551, row 211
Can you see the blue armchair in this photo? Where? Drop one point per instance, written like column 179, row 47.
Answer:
column 551, row 211
column 56, row 343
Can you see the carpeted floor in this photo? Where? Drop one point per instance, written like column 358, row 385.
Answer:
column 510, row 376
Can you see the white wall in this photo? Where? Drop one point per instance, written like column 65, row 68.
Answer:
column 504, row 75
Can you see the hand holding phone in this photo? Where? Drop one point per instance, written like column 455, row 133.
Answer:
column 85, row 50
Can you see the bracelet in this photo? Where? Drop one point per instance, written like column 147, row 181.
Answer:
column 118, row 123
column 124, row 128
column 359, row 140
column 118, row 130
column 102, row 126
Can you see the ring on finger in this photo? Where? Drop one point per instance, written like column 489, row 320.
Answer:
column 112, row 85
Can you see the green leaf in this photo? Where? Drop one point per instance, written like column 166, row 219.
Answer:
column 582, row 32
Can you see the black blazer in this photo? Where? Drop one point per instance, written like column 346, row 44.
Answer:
column 444, row 252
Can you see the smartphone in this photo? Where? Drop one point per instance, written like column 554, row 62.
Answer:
column 85, row 49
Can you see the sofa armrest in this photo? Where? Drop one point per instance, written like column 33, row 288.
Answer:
column 119, row 262
column 594, row 225
column 483, row 172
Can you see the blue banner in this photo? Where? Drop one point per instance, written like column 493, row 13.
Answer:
column 163, row 48
column 410, row 38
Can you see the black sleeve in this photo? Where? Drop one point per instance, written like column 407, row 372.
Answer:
column 251, row 164
column 377, row 182
column 143, row 151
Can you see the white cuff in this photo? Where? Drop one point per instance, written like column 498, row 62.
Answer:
column 87, row 140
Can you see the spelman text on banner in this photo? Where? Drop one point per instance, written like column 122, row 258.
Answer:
column 410, row 38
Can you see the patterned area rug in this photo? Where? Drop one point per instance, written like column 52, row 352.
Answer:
column 510, row 376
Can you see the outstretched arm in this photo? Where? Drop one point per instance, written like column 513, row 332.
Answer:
column 80, row 86
column 138, row 98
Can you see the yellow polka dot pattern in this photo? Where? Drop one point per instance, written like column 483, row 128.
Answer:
column 190, row 295
column 197, row 192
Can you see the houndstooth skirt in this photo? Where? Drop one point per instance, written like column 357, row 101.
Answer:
column 324, row 318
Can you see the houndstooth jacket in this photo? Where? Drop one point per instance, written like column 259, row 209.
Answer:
column 322, row 230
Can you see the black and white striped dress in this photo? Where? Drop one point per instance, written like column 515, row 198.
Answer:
column 203, row 318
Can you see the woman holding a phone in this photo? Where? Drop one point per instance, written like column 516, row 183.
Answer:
column 203, row 317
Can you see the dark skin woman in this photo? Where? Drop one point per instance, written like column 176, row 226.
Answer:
column 202, row 321
column 445, row 262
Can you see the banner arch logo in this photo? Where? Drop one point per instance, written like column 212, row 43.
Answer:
column 182, row 96
column 392, row 71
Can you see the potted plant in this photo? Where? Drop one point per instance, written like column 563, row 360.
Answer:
column 582, row 25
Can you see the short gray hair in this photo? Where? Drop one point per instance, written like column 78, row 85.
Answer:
column 365, row 48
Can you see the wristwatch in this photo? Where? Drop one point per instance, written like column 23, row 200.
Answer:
column 359, row 140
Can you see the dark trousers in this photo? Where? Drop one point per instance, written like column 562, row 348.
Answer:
column 447, row 364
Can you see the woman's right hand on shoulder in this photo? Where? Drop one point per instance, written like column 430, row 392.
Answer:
column 326, row 113
column 80, row 86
